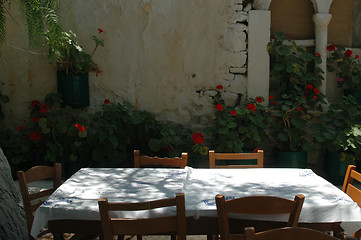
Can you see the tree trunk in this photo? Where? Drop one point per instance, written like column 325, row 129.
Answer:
column 12, row 215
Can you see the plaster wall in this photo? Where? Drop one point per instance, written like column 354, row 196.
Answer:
column 165, row 57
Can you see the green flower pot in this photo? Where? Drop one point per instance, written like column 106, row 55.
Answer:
column 74, row 89
column 335, row 168
column 291, row 159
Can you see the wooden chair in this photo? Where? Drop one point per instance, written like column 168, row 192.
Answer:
column 351, row 190
column 287, row 233
column 179, row 162
column 157, row 225
column 33, row 200
column 252, row 205
column 213, row 157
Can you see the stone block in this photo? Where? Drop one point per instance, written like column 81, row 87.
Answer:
column 238, row 59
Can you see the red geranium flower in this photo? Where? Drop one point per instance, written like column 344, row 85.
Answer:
column 273, row 102
column 317, row 54
column 43, row 108
column 315, row 97
column 220, row 87
column 21, row 127
column 34, row 103
column 234, row 112
column 331, row 47
column 340, row 79
column 35, row 136
column 251, row 106
column 357, row 56
column 316, row 91
column 35, row 119
column 100, row 30
column 271, row 97
column 259, row 99
column 106, row 101
column 198, row 138
column 348, row 54
column 299, row 109
column 219, row 107
column 80, row 127
column 256, row 150
column 309, row 86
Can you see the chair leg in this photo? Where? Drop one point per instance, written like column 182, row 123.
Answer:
column 173, row 237
column 139, row 237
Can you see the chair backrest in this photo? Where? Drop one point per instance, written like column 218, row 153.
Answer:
column 179, row 162
column 157, row 225
column 33, row 200
column 213, row 157
column 287, row 233
column 257, row 205
column 350, row 189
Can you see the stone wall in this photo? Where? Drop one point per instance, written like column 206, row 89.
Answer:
column 165, row 57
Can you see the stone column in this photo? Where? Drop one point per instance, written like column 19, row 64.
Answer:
column 259, row 26
column 321, row 28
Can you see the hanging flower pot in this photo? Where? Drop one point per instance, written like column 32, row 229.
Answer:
column 74, row 89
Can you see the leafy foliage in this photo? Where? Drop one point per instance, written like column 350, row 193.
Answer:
column 346, row 66
column 239, row 128
column 38, row 15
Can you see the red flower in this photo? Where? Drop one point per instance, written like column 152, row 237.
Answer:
column 348, row 54
column 299, row 109
column 21, row 127
column 100, row 30
column 317, row 54
column 331, row 47
column 315, row 97
column 34, row 103
column 80, row 127
column 106, row 101
column 219, row 107
column 309, row 86
column 316, row 91
column 35, row 136
column 259, row 99
column 251, row 106
column 198, row 138
column 340, row 79
column 35, row 119
column 234, row 112
column 357, row 56
column 270, row 97
column 220, row 87
column 256, row 150
column 43, row 108
column 273, row 102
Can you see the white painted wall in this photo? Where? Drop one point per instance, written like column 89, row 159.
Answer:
column 165, row 57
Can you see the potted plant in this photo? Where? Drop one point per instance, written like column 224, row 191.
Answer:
column 73, row 65
column 294, row 95
column 335, row 132
column 347, row 67
column 238, row 128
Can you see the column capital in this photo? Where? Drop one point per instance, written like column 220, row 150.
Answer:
column 321, row 6
column 322, row 19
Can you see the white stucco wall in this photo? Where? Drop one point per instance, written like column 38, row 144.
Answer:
column 162, row 56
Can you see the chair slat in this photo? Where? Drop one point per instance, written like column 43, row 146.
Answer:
column 178, row 162
column 157, row 225
column 214, row 157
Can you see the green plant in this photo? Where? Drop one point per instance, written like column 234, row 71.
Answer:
column 296, row 94
column 238, row 128
column 346, row 66
column 292, row 67
column 68, row 55
column 38, row 15
column 332, row 130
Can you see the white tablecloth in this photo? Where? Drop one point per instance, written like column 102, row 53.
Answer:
column 77, row 197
